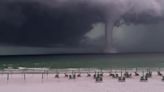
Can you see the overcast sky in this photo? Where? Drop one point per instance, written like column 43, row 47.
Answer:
column 133, row 38
column 68, row 26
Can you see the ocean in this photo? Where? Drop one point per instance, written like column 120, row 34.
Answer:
column 84, row 61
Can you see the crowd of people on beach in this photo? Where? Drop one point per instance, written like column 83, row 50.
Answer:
column 98, row 76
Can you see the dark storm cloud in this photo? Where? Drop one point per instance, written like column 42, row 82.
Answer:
column 46, row 22
column 33, row 23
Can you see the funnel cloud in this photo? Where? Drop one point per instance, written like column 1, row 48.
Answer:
column 65, row 23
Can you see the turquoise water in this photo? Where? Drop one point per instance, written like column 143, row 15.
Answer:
column 84, row 61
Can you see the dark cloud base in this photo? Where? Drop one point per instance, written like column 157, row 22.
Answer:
column 35, row 24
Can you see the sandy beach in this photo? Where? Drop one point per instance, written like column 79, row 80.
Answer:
column 35, row 83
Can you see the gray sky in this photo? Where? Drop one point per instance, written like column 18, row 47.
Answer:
column 132, row 38
column 77, row 26
column 135, row 38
